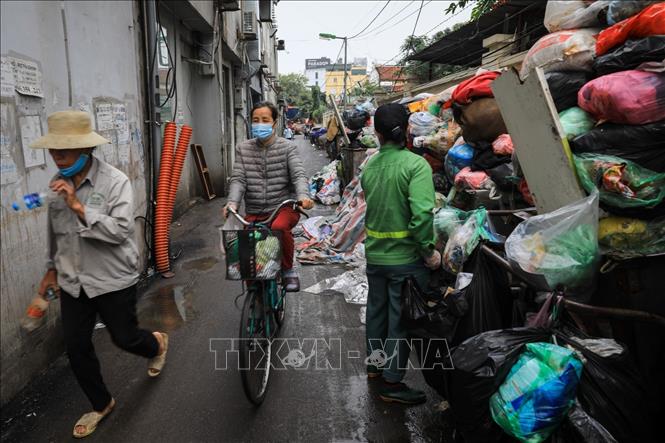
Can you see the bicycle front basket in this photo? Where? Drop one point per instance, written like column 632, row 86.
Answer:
column 252, row 254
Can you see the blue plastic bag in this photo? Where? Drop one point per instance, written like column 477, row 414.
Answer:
column 538, row 392
column 458, row 158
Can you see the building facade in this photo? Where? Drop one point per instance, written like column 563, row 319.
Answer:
column 334, row 82
column 133, row 65
column 315, row 70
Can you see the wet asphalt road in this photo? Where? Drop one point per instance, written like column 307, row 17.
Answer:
column 191, row 401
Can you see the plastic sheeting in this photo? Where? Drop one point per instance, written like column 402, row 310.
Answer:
column 353, row 284
column 344, row 244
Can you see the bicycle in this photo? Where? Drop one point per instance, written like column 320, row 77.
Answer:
column 254, row 256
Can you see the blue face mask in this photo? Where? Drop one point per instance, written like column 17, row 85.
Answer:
column 261, row 131
column 77, row 167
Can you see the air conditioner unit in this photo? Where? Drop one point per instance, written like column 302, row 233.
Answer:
column 266, row 10
column 228, row 5
column 249, row 25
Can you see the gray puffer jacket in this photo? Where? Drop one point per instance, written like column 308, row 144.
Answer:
column 265, row 176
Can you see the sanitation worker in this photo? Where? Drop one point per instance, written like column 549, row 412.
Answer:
column 266, row 169
column 400, row 243
column 93, row 258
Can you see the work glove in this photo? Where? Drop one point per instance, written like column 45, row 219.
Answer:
column 433, row 261
column 228, row 206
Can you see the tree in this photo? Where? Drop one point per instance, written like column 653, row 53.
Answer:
column 423, row 71
column 296, row 93
column 479, row 8
column 366, row 89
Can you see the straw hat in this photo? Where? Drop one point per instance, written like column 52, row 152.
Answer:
column 69, row 130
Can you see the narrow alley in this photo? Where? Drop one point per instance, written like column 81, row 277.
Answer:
column 191, row 401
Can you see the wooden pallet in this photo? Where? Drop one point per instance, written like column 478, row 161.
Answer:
column 202, row 168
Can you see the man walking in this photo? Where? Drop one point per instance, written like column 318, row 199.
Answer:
column 400, row 242
column 93, row 258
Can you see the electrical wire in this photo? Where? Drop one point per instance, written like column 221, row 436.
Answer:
column 370, row 23
column 323, row 86
column 486, row 55
column 367, row 35
column 388, row 28
column 485, row 30
column 415, row 25
column 482, row 50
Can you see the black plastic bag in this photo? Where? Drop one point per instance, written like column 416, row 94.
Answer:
column 580, row 427
column 481, row 365
column 487, row 159
column 613, row 392
column 630, row 55
column 644, row 144
column 564, row 87
column 501, row 175
column 427, row 314
column 357, row 120
column 489, row 298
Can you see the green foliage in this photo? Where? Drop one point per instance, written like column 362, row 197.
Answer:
column 420, row 72
column 365, row 89
column 480, row 7
column 295, row 92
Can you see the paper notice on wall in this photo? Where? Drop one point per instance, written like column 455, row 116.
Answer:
column 121, row 124
column 124, row 154
column 104, row 117
column 7, row 82
column 31, row 130
column 27, row 77
column 85, row 108
column 8, row 172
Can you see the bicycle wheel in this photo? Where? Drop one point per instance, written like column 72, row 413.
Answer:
column 255, row 347
column 280, row 311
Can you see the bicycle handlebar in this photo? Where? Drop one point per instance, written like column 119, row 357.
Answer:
column 295, row 203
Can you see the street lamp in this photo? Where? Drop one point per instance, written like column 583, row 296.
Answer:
column 325, row 36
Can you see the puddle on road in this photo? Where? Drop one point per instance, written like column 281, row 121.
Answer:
column 200, row 264
column 166, row 309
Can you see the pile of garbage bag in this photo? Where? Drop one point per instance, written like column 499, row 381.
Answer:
column 324, row 186
column 537, row 382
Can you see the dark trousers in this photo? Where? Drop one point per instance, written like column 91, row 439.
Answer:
column 383, row 326
column 118, row 312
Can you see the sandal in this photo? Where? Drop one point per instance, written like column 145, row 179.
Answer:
column 156, row 364
column 90, row 421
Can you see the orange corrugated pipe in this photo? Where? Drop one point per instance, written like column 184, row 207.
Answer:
column 178, row 162
column 162, row 218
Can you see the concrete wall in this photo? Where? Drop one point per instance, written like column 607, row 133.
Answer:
column 97, row 66
column 198, row 105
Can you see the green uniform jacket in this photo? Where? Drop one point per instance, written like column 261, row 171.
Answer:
column 399, row 192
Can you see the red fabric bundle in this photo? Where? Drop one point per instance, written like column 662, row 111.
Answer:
column 651, row 21
column 626, row 97
column 475, row 87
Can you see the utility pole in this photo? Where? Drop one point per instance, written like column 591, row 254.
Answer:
column 345, row 75
column 324, row 36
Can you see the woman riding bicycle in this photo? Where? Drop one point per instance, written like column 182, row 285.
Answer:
column 266, row 169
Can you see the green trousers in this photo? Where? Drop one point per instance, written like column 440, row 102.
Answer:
column 385, row 334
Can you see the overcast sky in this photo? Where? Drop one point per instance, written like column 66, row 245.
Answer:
column 301, row 21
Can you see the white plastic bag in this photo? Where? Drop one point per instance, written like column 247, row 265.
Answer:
column 562, row 51
column 561, row 245
column 562, row 15
column 422, row 123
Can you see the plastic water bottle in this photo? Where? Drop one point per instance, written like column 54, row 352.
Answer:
column 36, row 313
column 33, row 201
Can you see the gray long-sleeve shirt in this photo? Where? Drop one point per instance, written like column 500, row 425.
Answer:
column 100, row 255
column 263, row 176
